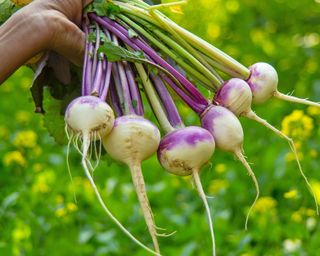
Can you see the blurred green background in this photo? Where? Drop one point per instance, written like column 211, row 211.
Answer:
column 38, row 213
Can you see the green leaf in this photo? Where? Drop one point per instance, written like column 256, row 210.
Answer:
column 6, row 10
column 92, row 37
column 103, row 8
column 55, row 108
column 118, row 53
column 53, row 118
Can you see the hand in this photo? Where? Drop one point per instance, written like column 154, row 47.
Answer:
column 42, row 25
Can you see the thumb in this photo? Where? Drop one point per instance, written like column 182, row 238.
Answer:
column 69, row 41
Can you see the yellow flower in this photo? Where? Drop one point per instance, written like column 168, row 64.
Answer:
column 59, row 199
column 297, row 125
column 72, row 207
column 4, row 132
column 220, row 168
column 21, row 232
column 21, row 2
column 61, row 212
column 214, row 30
column 292, row 194
column 313, row 153
column 313, row 111
column 23, row 116
column 316, row 188
column 265, row 204
column 43, row 182
column 14, row 157
column 26, row 139
column 37, row 167
column 217, row 185
column 297, row 216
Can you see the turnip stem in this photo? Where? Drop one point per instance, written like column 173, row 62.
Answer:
column 189, row 69
column 241, row 158
column 122, row 84
column 137, row 44
column 167, row 102
column 256, row 118
column 197, row 182
column 114, row 99
column 221, row 67
column 194, row 40
column 86, row 74
column 153, row 99
column 215, row 81
column 95, row 53
column 133, row 88
column 290, row 98
column 138, row 181
column 84, row 161
column 107, row 77
column 194, row 105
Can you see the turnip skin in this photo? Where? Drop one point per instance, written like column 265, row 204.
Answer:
column 263, row 82
column 88, row 115
column 224, row 127
column 132, row 140
column 185, row 150
column 228, row 134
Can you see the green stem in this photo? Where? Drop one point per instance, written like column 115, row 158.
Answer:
column 190, row 69
column 194, row 40
column 221, row 67
column 210, row 73
column 153, row 99
column 188, row 47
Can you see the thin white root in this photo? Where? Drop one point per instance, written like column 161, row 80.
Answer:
column 241, row 158
column 85, row 161
column 294, row 150
column 253, row 116
column 202, row 195
column 69, row 170
column 138, row 182
column 289, row 98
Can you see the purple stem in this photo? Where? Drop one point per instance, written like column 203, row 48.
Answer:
column 136, row 43
column 87, row 64
column 167, row 102
column 134, row 90
column 196, row 107
column 114, row 99
column 124, row 86
column 98, row 81
column 95, row 56
column 105, row 88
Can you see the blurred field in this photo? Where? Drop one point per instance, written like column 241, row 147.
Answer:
column 38, row 213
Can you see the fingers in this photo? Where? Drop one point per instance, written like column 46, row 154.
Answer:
column 69, row 41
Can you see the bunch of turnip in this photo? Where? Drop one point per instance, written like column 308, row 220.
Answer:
column 129, row 42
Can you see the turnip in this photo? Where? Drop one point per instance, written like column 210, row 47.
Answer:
column 236, row 95
column 228, row 135
column 89, row 118
column 263, row 82
column 184, row 150
column 133, row 139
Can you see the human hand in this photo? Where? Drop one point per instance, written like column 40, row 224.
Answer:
column 42, row 25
